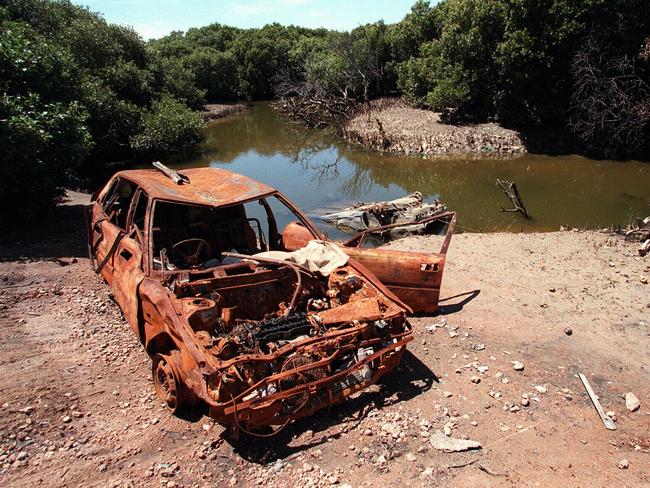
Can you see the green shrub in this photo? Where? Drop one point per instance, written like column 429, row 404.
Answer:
column 43, row 144
column 168, row 125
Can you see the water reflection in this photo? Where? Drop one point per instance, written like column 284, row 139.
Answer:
column 322, row 173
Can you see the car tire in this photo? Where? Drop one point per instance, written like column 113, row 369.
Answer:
column 169, row 386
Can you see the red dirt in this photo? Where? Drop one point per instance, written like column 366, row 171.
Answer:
column 78, row 404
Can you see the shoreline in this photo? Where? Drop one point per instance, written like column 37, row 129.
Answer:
column 391, row 125
column 216, row 111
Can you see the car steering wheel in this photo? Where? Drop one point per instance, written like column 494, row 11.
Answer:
column 183, row 250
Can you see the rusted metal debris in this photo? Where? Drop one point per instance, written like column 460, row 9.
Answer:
column 259, row 341
column 373, row 216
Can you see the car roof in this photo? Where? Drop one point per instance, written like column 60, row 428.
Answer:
column 207, row 186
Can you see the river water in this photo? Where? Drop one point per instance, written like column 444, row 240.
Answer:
column 322, row 173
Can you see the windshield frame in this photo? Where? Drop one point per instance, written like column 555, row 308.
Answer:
column 158, row 273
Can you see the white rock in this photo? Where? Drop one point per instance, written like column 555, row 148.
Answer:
column 450, row 444
column 540, row 389
column 632, row 402
column 391, row 428
column 623, row 464
column 333, row 478
column 410, row 456
column 518, row 365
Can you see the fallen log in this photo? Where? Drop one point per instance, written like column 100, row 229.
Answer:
column 511, row 191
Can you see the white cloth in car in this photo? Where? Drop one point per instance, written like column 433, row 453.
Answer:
column 321, row 256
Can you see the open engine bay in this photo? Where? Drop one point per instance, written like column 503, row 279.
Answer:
column 276, row 330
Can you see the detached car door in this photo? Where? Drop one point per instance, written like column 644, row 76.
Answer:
column 415, row 277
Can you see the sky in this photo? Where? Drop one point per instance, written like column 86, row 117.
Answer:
column 156, row 18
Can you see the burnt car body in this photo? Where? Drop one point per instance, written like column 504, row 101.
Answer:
column 258, row 340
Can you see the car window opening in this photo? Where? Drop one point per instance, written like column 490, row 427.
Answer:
column 196, row 236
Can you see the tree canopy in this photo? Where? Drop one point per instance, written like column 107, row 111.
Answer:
column 78, row 94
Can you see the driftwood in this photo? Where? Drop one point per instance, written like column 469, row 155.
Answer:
column 640, row 232
column 511, row 191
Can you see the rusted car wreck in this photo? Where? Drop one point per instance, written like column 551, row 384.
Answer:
column 260, row 326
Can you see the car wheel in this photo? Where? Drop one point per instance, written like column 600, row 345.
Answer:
column 168, row 384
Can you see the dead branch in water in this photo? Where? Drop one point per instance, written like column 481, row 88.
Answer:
column 511, row 191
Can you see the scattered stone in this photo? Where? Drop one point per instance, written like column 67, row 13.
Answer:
column 623, row 464
column 450, row 444
column 448, row 394
column 518, row 365
column 66, row 419
column 540, row 389
column 392, row 429
column 410, row 457
column 632, row 402
column 475, row 379
column 333, row 479
column 568, row 331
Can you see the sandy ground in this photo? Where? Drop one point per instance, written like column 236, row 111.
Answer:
column 79, row 409
column 392, row 125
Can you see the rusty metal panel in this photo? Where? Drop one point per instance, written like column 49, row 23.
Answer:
column 414, row 277
column 207, row 186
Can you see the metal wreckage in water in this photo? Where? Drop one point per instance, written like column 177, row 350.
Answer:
column 259, row 325
column 391, row 219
